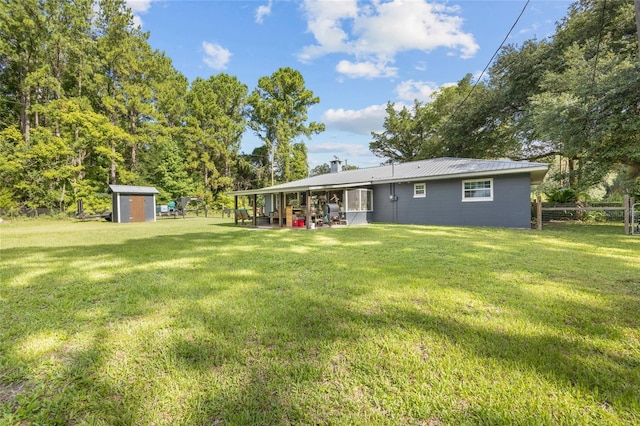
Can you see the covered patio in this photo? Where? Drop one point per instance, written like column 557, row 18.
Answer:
column 305, row 207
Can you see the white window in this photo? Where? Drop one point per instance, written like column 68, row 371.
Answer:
column 359, row 200
column 419, row 190
column 477, row 190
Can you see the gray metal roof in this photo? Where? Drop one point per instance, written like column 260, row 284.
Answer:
column 127, row 189
column 436, row 168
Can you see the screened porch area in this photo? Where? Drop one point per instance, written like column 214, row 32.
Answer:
column 310, row 208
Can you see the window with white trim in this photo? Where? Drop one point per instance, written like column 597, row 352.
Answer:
column 419, row 190
column 477, row 190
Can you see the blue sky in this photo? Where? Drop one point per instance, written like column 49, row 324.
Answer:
column 355, row 55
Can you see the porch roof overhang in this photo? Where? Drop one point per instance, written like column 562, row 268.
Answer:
column 302, row 188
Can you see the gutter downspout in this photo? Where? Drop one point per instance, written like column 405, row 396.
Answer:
column 393, row 199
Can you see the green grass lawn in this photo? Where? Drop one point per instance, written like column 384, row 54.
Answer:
column 199, row 322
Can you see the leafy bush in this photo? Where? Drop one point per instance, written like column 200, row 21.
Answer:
column 562, row 195
column 594, row 216
column 8, row 202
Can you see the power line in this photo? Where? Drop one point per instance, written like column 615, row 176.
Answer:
column 491, row 60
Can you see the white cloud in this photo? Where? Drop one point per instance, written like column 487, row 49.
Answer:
column 138, row 7
column 413, row 25
column 377, row 32
column 365, row 69
column 362, row 122
column 262, row 11
column 411, row 90
column 215, row 56
column 421, row 66
column 324, row 21
column 137, row 21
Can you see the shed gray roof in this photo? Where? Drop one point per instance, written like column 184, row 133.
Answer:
column 127, row 189
column 424, row 170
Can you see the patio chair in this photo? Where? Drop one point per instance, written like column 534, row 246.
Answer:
column 241, row 214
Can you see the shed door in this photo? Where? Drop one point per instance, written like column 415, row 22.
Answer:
column 136, row 203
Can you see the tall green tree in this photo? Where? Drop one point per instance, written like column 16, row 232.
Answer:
column 163, row 160
column 247, row 174
column 299, row 165
column 55, row 37
column 260, row 162
column 589, row 109
column 278, row 115
column 472, row 124
column 89, row 100
column 514, row 78
column 119, row 45
column 409, row 134
column 22, row 36
column 216, row 122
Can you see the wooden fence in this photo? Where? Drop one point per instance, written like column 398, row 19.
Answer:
column 596, row 212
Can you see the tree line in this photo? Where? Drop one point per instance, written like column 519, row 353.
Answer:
column 572, row 99
column 86, row 102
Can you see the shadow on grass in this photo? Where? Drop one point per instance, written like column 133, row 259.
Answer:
column 252, row 321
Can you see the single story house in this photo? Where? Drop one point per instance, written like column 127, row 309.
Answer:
column 133, row 203
column 440, row 191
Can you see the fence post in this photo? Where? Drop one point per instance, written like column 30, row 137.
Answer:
column 539, row 212
column 626, row 214
column 633, row 217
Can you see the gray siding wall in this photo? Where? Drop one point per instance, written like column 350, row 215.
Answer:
column 443, row 205
column 149, row 208
column 357, row 218
column 125, row 208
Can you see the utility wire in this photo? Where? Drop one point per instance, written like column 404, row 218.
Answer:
column 491, row 60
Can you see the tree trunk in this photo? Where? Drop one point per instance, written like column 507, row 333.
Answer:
column 24, row 113
column 112, row 169
column 134, row 146
column 62, row 194
column 273, row 164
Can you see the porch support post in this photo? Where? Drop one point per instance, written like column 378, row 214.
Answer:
column 308, row 218
column 235, row 207
column 254, row 221
column 280, row 207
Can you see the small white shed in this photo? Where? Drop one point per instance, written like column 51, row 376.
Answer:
column 133, row 203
